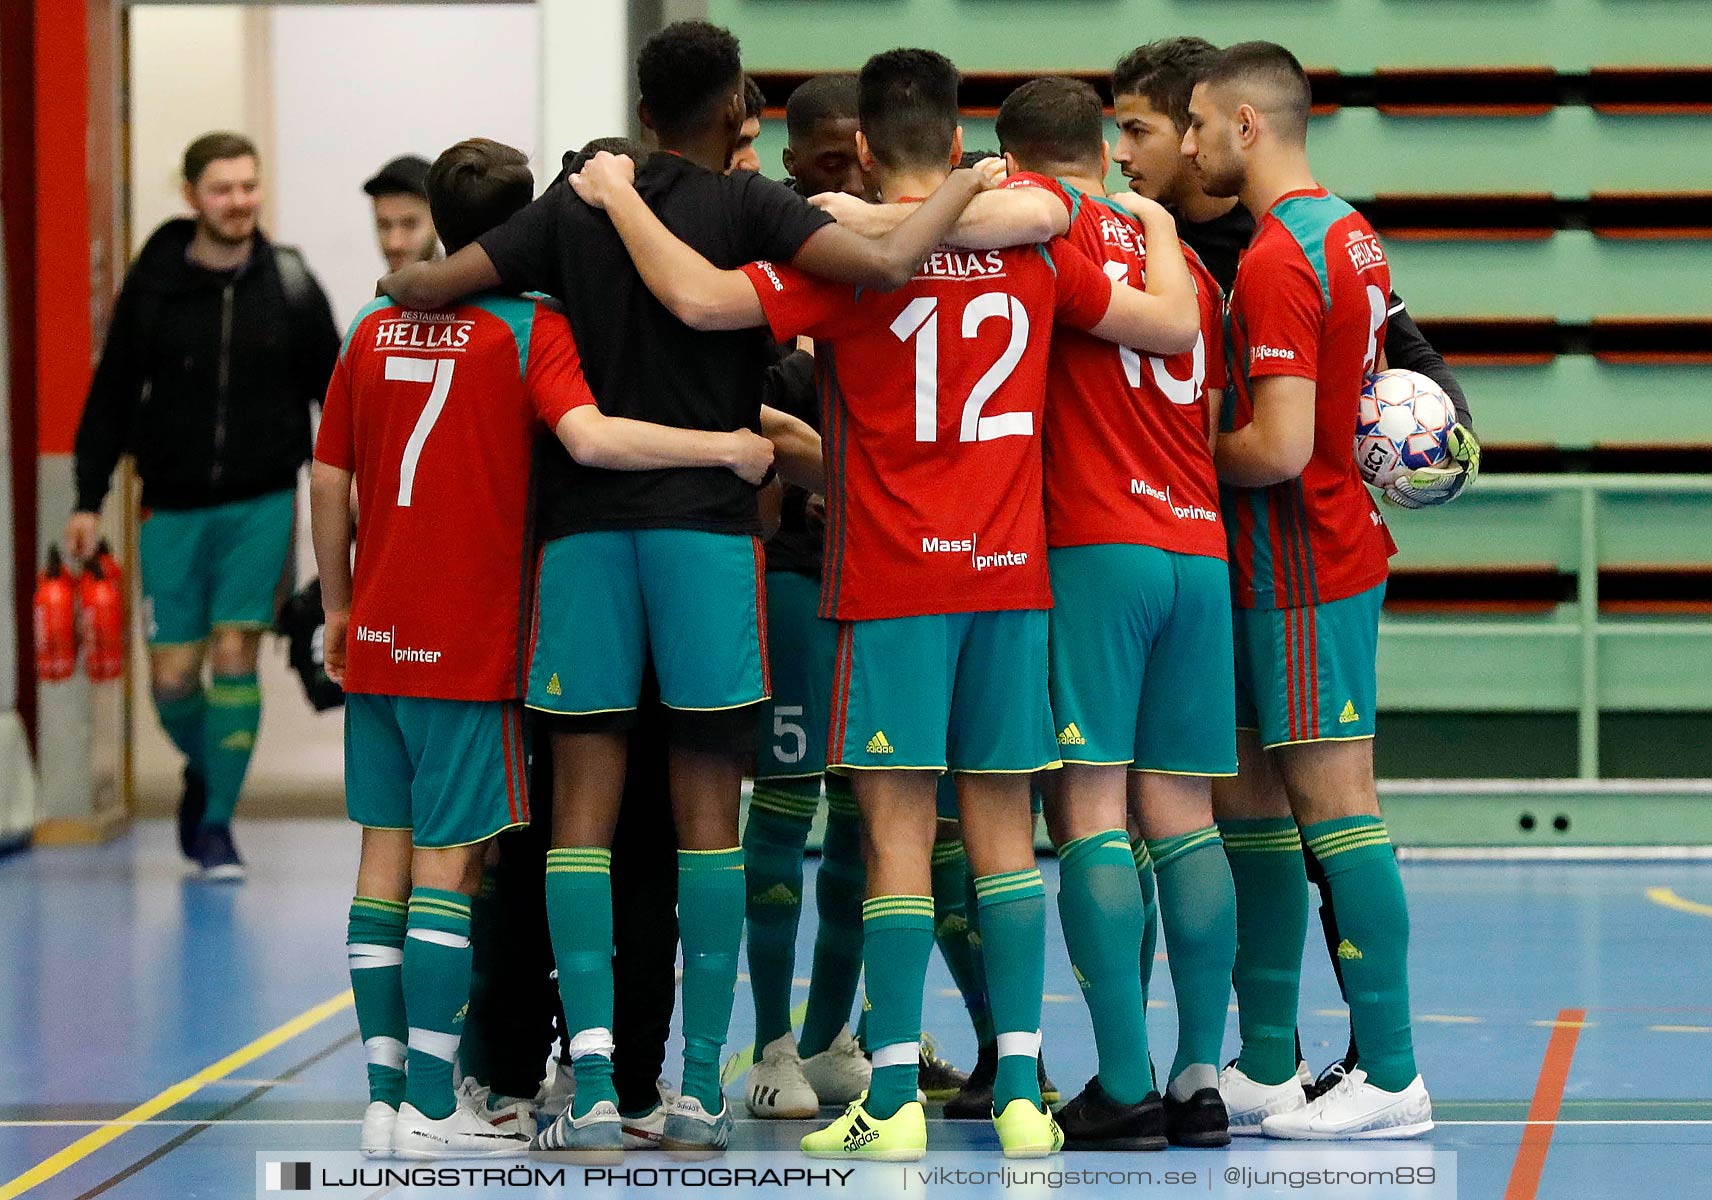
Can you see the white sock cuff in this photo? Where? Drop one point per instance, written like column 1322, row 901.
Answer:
column 435, row 1043
column 1025, row 1044
column 385, row 1052
column 898, row 1054
column 592, row 1041
column 440, row 937
column 364, row 956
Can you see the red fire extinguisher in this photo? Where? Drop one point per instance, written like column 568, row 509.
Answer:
column 100, row 593
column 56, row 620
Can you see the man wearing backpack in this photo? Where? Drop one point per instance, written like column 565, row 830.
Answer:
column 219, row 343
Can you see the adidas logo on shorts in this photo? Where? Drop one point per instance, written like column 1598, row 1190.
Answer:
column 1071, row 736
column 1346, row 950
column 878, row 743
column 553, row 688
column 1348, row 716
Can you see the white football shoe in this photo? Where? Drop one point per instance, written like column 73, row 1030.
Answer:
column 1248, row 1103
column 840, row 1073
column 1356, row 1110
column 378, row 1120
column 509, row 1114
column 556, row 1091
column 643, row 1132
column 462, row 1134
column 776, row 1089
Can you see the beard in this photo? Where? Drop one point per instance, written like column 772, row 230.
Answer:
column 1223, row 183
column 225, row 232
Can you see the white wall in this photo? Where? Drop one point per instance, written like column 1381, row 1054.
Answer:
column 194, row 69
column 354, row 87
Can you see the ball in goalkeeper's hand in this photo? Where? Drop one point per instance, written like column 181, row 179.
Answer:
column 1401, row 426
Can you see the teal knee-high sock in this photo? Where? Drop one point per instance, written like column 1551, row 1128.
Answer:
column 1099, row 902
column 1373, row 921
column 897, row 939
column 436, row 994
column 838, row 888
column 229, row 738
column 780, row 812
column 710, row 924
column 374, row 943
column 579, row 918
column 182, row 718
column 1149, row 914
column 1013, row 949
column 951, row 934
column 1271, row 924
column 972, row 913
column 1197, row 904
column 484, row 932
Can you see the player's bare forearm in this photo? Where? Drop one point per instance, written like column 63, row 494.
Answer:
column 431, row 285
column 888, row 262
column 698, row 293
column 993, row 221
column 621, row 444
column 796, row 449
column 330, row 530
column 1277, row 444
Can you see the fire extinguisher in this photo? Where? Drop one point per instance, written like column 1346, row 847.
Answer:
column 101, row 595
column 56, row 620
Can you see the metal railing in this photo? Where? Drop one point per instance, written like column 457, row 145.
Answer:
column 1588, row 627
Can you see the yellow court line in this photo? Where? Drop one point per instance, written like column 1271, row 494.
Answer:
column 110, row 1131
column 1670, row 899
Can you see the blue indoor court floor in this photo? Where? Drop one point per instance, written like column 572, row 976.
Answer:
column 162, row 1033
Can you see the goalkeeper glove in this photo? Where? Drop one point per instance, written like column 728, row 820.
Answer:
column 1432, row 486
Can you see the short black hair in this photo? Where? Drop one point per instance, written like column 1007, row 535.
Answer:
column 615, row 145
column 1052, row 122
column 1164, row 74
column 475, row 186
column 1270, row 78
column 973, row 158
column 754, row 99
column 685, row 73
column 212, row 147
column 823, row 98
column 907, row 106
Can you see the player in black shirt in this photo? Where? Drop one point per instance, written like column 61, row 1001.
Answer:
column 665, row 565
column 1152, row 85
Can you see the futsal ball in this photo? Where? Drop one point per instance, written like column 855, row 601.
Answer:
column 1401, row 426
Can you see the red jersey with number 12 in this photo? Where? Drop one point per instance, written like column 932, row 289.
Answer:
column 1127, row 459
column 436, row 414
column 931, row 418
column 1310, row 300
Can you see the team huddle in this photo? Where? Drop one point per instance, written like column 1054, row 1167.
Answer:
column 1081, row 533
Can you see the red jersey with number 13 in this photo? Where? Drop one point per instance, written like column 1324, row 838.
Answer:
column 1127, row 459
column 931, row 419
column 436, row 414
column 1310, row 300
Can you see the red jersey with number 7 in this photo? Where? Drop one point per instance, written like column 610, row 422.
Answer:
column 1127, row 458
column 436, row 414
column 932, row 400
column 1310, row 300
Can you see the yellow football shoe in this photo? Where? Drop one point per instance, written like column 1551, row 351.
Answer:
column 901, row 1137
column 1027, row 1132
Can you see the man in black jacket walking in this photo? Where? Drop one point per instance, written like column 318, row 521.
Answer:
column 219, row 343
